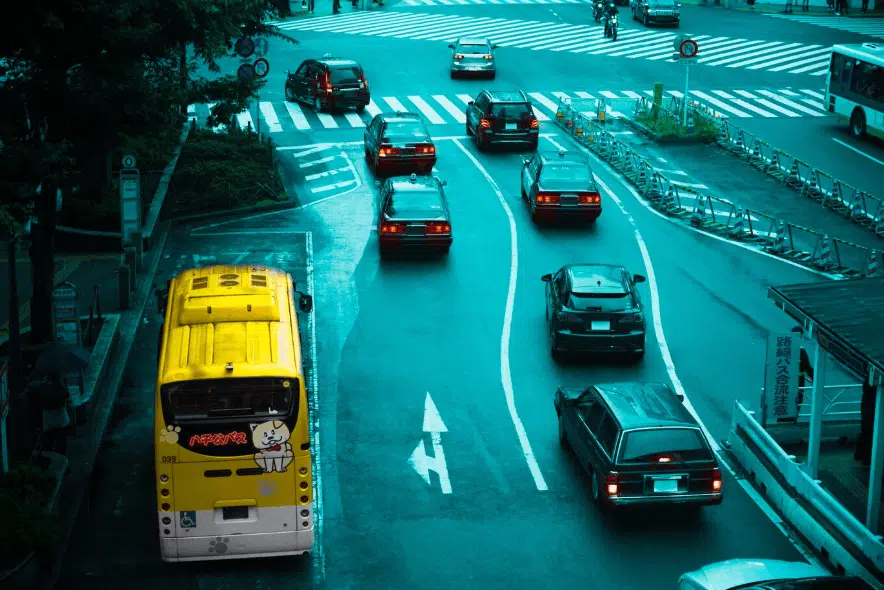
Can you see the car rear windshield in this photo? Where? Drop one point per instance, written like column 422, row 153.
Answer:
column 210, row 399
column 558, row 173
column 601, row 302
column 512, row 111
column 680, row 444
column 474, row 48
column 345, row 75
column 406, row 130
column 416, row 204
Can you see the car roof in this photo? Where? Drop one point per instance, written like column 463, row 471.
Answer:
column 337, row 61
column 414, row 183
column 731, row 573
column 563, row 157
column 640, row 405
column 400, row 117
column 507, row 96
column 596, row 278
column 474, row 41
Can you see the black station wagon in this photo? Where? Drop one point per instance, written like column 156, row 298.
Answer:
column 413, row 214
column 639, row 444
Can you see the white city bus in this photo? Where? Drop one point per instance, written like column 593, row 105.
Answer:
column 855, row 87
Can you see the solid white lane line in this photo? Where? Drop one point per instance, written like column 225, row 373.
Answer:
column 861, row 153
column 505, row 375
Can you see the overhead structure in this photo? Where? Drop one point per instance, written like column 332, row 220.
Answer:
column 846, row 319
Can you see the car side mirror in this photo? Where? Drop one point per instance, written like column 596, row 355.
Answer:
column 288, row 72
column 451, row 45
column 469, row 104
column 639, row 278
column 494, row 46
column 680, row 397
column 524, row 162
column 444, row 183
column 546, row 278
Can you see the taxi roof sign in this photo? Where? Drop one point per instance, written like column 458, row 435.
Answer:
column 413, row 177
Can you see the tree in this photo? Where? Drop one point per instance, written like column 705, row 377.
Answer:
column 80, row 74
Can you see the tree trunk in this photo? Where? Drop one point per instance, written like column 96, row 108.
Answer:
column 43, row 263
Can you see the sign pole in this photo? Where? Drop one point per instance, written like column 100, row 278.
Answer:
column 687, row 77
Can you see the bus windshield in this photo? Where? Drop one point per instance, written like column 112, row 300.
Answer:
column 210, row 399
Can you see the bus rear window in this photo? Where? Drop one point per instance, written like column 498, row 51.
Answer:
column 678, row 444
column 209, row 399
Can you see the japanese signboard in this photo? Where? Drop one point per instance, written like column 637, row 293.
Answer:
column 67, row 320
column 781, row 378
column 130, row 204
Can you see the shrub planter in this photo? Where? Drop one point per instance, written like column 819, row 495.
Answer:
column 668, row 138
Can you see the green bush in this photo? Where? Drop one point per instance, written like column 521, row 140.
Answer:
column 667, row 126
column 224, row 171
column 26, row 526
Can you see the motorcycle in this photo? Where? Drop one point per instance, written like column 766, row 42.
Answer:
column 597, row 11
column 611, row 27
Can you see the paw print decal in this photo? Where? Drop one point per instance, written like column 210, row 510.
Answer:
column 267, row 488
column 169, row 434
column 219, row 545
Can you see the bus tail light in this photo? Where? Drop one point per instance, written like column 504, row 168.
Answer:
column 612, row 480
column 716, row 480
column 302, row 471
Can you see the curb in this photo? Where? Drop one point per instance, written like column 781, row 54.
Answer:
column 129, row 323
column 281, row 206
column 156, row 205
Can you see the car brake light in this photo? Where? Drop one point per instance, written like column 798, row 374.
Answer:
column 485, row 123
column 716, row 480
column 387, row 151
column 439, row 228
column 664, row 460
column 535, row 124
column 427, row 149
column 547, row 198
column 458, row 56
column 590, row 198
column 612, row 481
column 392, row 228
column 489, row 57
column 363, row 84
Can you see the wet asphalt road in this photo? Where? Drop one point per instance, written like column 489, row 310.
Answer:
column 390, row 333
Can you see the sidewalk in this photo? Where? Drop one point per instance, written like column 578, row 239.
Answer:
column 817, row 7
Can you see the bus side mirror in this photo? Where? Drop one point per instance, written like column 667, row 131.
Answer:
column 305, row 303
column 162, row 300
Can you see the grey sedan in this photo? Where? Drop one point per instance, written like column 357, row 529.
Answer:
column 471, row 55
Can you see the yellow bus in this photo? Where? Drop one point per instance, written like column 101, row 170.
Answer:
column 231, row 427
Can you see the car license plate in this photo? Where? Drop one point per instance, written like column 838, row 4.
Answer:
column 473, row 68
column 417, row 230
column 665, row 486
column 511, row 126
column 600, row 326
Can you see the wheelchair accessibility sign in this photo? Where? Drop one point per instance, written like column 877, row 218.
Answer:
column 188, row 519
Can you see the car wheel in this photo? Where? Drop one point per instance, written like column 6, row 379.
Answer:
column 858, row 124
column 533, row 145
column 446, row 249
column 638, row 356
column 317, row 105
column 469, row 133
column 634, row 15
column 367, row 155
column 645, row 19
column 290, row 95
column 481, row 142
column 360, row 109
column 492, row 76
column 596, row 489
column 563, row 439
column 525, row 197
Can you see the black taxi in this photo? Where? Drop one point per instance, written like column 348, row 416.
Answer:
column 328, row 83
column 413, row 213
column 399, row 141
column 639, row 444
column 560, row 183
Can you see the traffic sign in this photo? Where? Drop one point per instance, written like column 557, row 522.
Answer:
column 128, row 161
column 685, row 61
column 261, row 46
column 688, row 48
column 678, row 40
column 246, row 72
column 245, row 47
column 261, row 67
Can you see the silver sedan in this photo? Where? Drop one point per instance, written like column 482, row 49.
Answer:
column 473, row 55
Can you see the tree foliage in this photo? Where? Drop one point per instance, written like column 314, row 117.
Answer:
column 78, row 77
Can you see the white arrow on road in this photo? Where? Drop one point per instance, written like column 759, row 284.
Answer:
column 423, row 463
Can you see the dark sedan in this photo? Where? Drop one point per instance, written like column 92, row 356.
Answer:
column 399, row 141
column 595, row 308
column 560, row 183
column 413, row 213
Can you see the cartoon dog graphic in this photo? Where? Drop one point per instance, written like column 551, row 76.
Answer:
column 271, row 438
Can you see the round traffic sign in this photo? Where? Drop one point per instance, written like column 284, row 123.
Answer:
column 678, row 40
column 261, row 67
column 245, row 47
column 261, row 46
column 688, row 48
column 128, row 161
column 246, row 72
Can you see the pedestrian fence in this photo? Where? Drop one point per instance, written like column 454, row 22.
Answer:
column 803, row 501
column 858, row 206
column 841, row 415
column 584, row 120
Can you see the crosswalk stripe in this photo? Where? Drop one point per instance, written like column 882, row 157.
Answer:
column 327, row 120
column 394, row 103
column 427, row 110
column 270, row 117
column 452, row 109
column 245, row 120
column 814, row 94
column 731, row 50
column 545, row 102
column 722, row 105
column 354, row 120
column 752, row 52
column 765, row 102
column 786, row 59
column 465, row 98
column 790, row 104
column 297, row 116
column 744, row 104
column 373, row 108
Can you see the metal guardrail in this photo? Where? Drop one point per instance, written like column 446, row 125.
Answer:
column 775, row 471
column 582, row 119
column 840, row 402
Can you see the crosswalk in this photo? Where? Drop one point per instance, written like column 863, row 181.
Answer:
column 486, row 2
column 873, row 27
column 639, row 43
column 440, row 109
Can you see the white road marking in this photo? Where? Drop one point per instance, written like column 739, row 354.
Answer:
column 239, row 258
column 312, row 163
column 426, row 110
column 270, row 117
column 395, row 104
column 297, row 116
column 327, row 173
column 373, row 108
column 309, row 149
column 670, row 365
column 244, row 119
column 441, row 465
column 419, row 460
column 505, row 375
column 688, row 184
column 452, row 109
column 432, row 419
column 354, row 120
column 861, row 153
column 314, row 388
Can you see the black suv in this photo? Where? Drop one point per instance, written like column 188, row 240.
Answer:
column 502, row 116
column 328, row 83
column 594, row 308
column 639, row 444
column 657, row 12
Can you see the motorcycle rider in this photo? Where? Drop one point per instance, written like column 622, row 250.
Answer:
column 610, row 12
column 598, row 10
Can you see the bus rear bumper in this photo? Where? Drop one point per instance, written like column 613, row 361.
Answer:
column 243, row 546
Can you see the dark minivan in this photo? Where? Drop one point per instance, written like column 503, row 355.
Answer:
column 502, row 116
column 639, row 444
column 329, row 83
